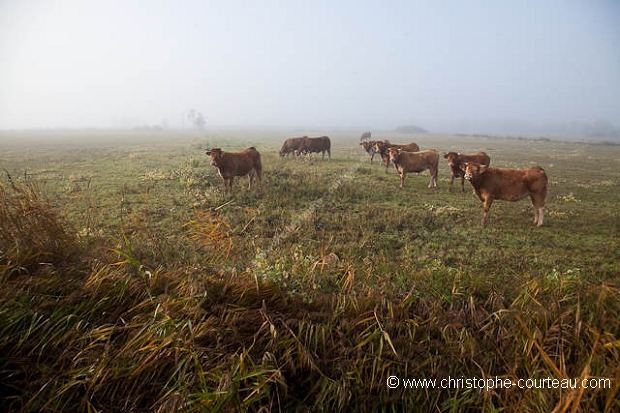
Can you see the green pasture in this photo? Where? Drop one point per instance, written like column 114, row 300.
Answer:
column 133, row 283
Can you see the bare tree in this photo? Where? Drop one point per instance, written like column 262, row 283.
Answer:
column 199, row 122
column 196, row 119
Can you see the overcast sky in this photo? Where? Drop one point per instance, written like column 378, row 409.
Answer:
column 360, row 64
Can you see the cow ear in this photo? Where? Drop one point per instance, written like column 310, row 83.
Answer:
column 463, row 166
column 483, row 168
column 209, row 152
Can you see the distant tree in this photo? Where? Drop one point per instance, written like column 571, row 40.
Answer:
column 199, row 122
column 411, row 129
column 191, row 116
column 196, row 119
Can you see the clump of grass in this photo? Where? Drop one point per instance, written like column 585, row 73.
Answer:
column 32, row 232
column 209, row 231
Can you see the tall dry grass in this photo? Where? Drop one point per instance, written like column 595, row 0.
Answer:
column 32, row 232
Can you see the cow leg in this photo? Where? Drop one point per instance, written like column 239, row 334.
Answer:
column 402, row 179
column 487, row 206
column 433, row 181
column 463, row 183
column 539, row 208
column 539, row 213
column 250, row 176
column 258, row 177
column 230, row 184
column 541, row 216
column 451, row 182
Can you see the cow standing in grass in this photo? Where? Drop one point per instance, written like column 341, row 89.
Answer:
column 455, row 160
column 291, row 145
column 231, row 164
column 371, row 148
column 382, row 148
column 310, row 145
column 508, row 185
column 415, row 162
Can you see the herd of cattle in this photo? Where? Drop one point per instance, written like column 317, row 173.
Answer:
column 488, row 183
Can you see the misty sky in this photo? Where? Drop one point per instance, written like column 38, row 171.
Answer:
column 360, row 64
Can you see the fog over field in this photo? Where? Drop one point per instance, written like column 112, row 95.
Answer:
column 526, row 67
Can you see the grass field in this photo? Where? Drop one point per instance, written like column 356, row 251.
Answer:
column 132, row 283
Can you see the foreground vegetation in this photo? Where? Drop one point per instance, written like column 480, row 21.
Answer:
column 131, row 283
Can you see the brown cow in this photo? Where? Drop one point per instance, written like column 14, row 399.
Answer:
column 415, row 162
column 291, row 145
column 382, row 148
column 455, row 160
column 370, row 148
column 321, row 144
column 231, row 164
column 508, row 185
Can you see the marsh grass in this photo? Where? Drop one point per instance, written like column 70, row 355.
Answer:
column 132, row 283
column 32, row 232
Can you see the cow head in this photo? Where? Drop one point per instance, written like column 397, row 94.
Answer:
column 393, row 153
column 452, row 158
column 473, row 170
column 369, row 146
column 216, row 155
